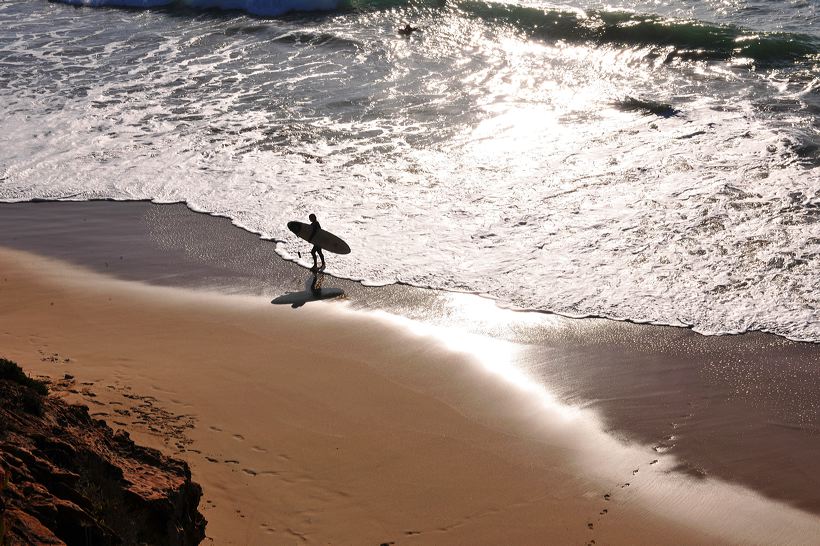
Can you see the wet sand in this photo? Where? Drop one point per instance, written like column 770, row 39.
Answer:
column 393, row 427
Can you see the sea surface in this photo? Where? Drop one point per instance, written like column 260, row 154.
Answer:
column 653, row 161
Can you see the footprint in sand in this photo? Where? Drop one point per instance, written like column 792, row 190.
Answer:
column 607, row 497
column 634, row 471
column 211, row 459
column 249, row 471
column 603, row 512
column 590, row 526
column 238, row 437
column 215, row 428
column 654, row 461
column 259, row 449
column 231, row 461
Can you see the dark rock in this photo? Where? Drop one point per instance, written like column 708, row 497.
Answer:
column 72, row 480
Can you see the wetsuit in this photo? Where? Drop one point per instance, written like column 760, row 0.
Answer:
column 315, row 227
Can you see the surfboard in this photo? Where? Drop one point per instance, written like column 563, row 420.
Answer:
column 323, row 239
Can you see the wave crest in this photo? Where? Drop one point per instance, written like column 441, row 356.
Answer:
column 681, row 39
column 268, row 8
column 686, row 39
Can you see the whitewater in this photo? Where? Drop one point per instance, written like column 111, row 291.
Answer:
column 648, row 161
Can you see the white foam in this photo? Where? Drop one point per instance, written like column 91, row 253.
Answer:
column 473, row 160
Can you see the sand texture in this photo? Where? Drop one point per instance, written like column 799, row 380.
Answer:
column 296, row 440
column 403, row 415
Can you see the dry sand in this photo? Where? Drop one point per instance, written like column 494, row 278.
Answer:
column 334, row 426
column 743, row 409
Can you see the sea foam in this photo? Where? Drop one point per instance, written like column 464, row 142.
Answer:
column 481, row 154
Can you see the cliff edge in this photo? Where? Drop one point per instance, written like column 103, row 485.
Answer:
column 66, row 478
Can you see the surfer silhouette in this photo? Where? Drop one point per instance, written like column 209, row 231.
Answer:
column 314, row 229
column 408, row 30
column 320, row 239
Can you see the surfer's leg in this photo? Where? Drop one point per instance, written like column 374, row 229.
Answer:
column 313, row 253
column 322, row 256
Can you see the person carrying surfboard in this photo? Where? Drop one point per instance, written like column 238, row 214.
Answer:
column 314, row 229
column 319, row 238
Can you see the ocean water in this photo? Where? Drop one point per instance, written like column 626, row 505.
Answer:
column 649, row 160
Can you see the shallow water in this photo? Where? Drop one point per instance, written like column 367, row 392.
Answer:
column 659, row 164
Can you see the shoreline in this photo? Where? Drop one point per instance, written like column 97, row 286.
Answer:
column 397, row 284
column 577, row 362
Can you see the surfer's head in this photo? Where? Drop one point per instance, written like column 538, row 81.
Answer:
column 312, row 217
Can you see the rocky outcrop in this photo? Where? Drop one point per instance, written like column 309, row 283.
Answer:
column 69, row 479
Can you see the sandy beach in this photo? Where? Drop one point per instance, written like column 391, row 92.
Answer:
column 391, row 421
column 570, row 298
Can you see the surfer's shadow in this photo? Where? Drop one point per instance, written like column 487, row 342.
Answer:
column 314, row 291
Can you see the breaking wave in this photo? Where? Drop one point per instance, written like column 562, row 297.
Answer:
column 682, row 38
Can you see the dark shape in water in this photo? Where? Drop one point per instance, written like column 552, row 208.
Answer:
column 407, row 30
column 647, row 107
